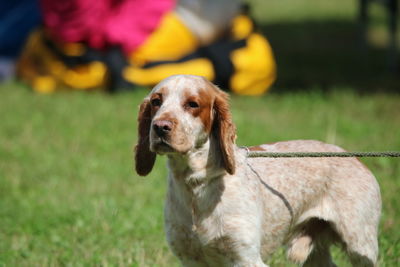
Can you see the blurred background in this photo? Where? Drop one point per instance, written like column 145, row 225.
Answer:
column 340, row 43
column 118, row 45
column 319, row 69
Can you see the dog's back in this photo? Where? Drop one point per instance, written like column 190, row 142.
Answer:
column 322, row 199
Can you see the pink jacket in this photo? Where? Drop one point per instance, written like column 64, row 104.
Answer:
column 104, row 23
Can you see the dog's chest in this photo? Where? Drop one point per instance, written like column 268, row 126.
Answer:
column 202, row 243
column 199, row 232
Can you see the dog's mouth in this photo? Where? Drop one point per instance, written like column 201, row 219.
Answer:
column 161, row 146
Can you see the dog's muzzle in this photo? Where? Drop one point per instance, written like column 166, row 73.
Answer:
column 162, row 128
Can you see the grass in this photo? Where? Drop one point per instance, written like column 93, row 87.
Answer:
column 68, row 193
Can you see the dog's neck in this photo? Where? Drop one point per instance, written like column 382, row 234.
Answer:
column 196, row 180
column 199, row 166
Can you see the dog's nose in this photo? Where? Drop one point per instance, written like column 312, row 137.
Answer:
column 162, row 127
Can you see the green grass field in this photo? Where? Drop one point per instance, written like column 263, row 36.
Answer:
column 68, row 192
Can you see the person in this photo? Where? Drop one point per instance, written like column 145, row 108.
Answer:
column 17, row 18
column 119, row 44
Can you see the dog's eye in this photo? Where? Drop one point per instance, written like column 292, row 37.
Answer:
column 192, row 104
column 156, row 102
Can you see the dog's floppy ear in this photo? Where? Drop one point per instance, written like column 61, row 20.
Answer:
column 144, row 158
column 224, row 130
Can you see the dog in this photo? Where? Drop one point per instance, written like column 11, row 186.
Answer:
column 226, row 209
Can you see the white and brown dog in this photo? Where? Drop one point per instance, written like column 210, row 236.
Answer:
column 224, row 209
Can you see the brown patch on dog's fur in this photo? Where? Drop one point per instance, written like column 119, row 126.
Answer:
column 204, row 99
column 144, row 158
column 161, row 95
column 224, row 129
column 255, row 148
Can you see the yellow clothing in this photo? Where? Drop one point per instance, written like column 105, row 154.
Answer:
column 243, row 62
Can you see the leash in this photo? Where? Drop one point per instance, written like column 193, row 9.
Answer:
column 257, row 154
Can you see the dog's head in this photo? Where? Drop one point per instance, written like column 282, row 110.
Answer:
column 178, row 116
